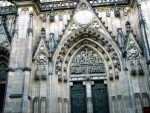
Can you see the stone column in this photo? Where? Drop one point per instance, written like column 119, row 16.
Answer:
column 127, row 90
column 60, row 104
column 26, row 103
column 89, row 97
column 49, row 91
column 66, row 105
column 138, row 103
column 27, row 68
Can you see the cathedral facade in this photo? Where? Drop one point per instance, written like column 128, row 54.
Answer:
column 74, row 56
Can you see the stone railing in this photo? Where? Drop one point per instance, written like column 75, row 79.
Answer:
column 70, row 4
column 60, row 5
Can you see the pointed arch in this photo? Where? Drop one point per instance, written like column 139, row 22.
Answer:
column 93, row 38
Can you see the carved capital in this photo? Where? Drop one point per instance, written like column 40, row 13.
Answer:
column 59, row 99
column 65, row 78
column 137, row 95
column 50, row 74
column 37, row 77
column 59, row 78
column 43, row 99
column 43, row 77
column 133, row 72
column 119, row 97
column 116, row 75
column 113, row 98
column 65, row 100
column 145, row 95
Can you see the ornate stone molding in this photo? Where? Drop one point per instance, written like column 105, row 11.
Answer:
column 119, row 97
column 72, row 4
column 59, row 99
column 8, row 10
column 65, row 100
column 137, row 95
column 68, row 47
column 113, row 98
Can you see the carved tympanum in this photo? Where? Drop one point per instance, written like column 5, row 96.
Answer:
column 87, row 61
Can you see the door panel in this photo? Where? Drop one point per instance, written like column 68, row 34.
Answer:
column 78, row 98
column 100, row 97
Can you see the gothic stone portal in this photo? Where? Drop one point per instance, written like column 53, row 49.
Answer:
column 87, row 62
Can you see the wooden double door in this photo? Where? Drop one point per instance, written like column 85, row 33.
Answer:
column 99, row 98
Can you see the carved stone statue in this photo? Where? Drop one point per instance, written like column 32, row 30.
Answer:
column 116, row 11
column 133, row 71
column 51, row 43
column 121, row 40
column 140, row 69
column 43, row 33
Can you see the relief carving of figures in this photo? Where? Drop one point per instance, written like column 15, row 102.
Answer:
column 121, row 40
column 87, row 60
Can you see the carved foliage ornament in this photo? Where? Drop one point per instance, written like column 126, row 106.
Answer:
column 87, row 61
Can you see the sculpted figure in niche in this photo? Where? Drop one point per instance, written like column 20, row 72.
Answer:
column 133, row 71
column 140, row 69
column 116, row 11
column 121, row 40
column 51, row 43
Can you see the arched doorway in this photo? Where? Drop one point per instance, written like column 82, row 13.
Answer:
column 4, row 59
column 86, row 60
column 88, row 92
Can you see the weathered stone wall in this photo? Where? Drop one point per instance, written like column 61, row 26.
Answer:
column 30, row 81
